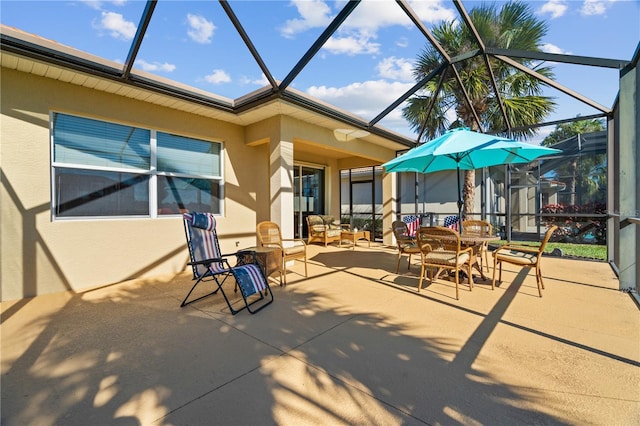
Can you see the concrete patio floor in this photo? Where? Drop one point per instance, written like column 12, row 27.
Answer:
column 353, row 343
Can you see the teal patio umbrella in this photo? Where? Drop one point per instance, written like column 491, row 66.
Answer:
column 463, row 149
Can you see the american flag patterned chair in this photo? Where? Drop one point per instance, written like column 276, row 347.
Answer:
column 451, row 222
column 208, row 264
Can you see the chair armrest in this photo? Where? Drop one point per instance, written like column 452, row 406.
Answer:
column 516, row 247
column 295, row 240
column 207, row 262
column 315, row 229
column 406, row 239
column 468, row 249
column 426, row 247
column 272, row 245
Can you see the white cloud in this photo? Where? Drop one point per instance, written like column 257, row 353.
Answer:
column 393, row 68
column 556, row 8
column 596, row 7
column 357, row 34
column 552, row 48
column 366, row 99
column 97, row 4
column 371, row 15
column 352, row 45
column 313, row 14
column 218, row 77
column 200, row 30
column 155, row 66
column 117, row 26
column 432, row 11
column 93, row 4
column 261, row 82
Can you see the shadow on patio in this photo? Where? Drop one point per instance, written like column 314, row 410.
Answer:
column 352, row 344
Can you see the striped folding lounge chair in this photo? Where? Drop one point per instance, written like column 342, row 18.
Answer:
column 208, row 264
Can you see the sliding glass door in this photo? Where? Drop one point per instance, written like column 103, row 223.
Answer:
column 309, row 196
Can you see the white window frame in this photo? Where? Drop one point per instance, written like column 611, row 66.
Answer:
column 152, row 173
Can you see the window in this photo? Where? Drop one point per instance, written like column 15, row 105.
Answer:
column 107, row 169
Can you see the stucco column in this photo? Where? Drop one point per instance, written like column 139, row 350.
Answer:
column 389, row 206
column 281, row 184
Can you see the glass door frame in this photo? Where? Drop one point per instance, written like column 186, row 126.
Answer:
column 299, row 215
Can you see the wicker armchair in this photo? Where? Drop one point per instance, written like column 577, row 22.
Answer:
column 481, row 228
column 522, row 255
column 406, row 243
column 269, row 235
column 440, row 249
column 324, row 229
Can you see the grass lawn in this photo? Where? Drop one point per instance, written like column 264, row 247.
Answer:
column 588, row 251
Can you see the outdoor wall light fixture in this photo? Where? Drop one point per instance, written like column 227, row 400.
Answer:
column 345, row 135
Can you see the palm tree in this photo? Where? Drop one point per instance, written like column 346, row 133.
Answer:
column 513, row 26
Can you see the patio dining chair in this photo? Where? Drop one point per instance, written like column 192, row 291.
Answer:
column 440, row 248
column 406, row 243
column 529, row 256
column 269, row 235
column 209, row 264
column 482, row 228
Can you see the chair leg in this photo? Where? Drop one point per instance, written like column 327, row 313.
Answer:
column 539, row 280
column 539, row 272
column 470, row 276
column 422, row 272
column 457, row 282
column 493, row 280
column 284, row 270
column 398, row 264
column 201, row 279
column 306, row 274
column 497, row 265
column 409, row 262
column 486, row 257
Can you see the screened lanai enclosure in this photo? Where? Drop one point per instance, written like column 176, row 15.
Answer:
column 519, row 200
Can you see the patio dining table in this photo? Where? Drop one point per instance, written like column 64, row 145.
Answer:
column 475, row 241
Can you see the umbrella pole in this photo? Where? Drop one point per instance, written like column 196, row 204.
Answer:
column 460, row 202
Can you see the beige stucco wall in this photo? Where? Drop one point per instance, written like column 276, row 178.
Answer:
column 39, row 255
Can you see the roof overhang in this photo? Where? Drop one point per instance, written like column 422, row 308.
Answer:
column 46, row 58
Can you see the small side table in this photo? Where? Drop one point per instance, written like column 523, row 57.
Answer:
column 270, row 258
column 354, row 236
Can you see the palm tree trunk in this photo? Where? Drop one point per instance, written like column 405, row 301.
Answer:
column 468, row 192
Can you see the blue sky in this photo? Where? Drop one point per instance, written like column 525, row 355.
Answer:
column 363, row 68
